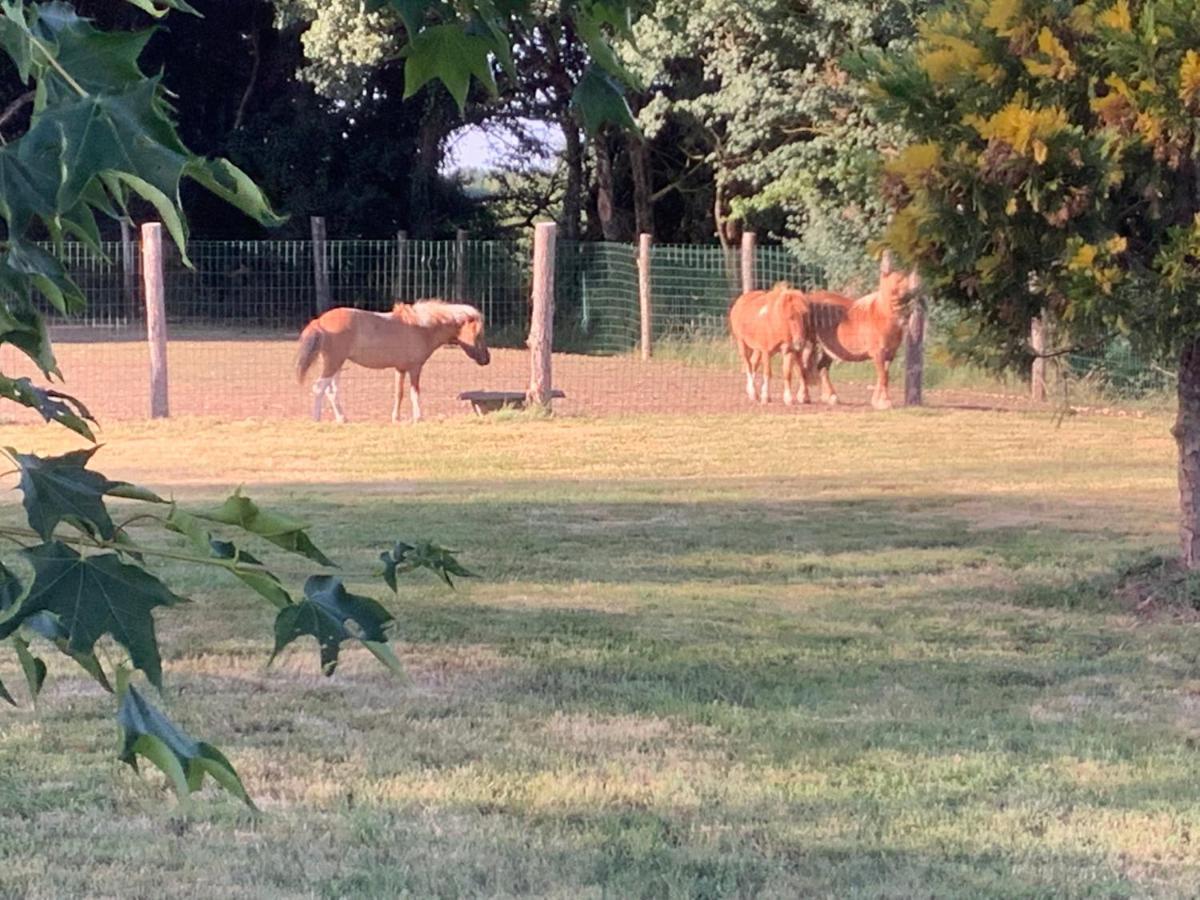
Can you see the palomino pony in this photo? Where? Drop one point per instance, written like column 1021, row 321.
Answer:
column 402, row 339
column 870, row 327
column 764, row 323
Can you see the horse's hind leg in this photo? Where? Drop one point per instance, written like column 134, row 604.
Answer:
column 399, row 395
column 828, row 392
column 414, row 393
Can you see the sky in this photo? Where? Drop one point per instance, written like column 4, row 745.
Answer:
column 480, row 147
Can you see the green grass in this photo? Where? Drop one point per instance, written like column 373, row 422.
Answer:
column 817, row 656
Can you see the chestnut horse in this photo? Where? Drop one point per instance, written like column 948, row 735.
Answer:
column 402, row 339
column 870, row 327
column 764, row 323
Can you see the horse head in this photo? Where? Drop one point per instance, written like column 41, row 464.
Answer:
column 470, row 337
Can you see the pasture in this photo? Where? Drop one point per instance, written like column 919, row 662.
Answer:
column 731, row 655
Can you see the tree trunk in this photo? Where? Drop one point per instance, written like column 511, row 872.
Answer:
column 573, row 194
column 604, row 188
column 643, row 202
column 1187, row 437
column 430, row 136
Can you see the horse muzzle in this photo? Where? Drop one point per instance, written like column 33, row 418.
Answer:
column 480, row 355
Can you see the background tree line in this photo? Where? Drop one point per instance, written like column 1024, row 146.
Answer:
column 746, row 119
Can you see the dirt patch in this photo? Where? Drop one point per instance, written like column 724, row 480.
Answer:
column 249, row 375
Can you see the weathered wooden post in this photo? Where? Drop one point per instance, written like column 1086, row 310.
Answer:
column 129, row 268
column 460, row 264
column 401, row 264
column 541, row 326
column 749, row 243
column 156, row 317
column 914, row 346
column 1037, row 375
column 644, row 298
column 320, row 264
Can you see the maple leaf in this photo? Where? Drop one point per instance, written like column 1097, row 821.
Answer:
column 93, row 596
column 280, row 530
column 323, row 613
column 146, row 732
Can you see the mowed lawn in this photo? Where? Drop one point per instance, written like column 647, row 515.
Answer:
column 816, row 656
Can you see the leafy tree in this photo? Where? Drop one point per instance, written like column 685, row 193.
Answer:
column 1055, row 169
column 768, row 112
column 101, row 134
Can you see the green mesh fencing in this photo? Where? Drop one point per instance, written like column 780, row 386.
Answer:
column 235, row 313
column 595, row 298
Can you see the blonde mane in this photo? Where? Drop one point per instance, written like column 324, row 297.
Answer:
column 435, row 312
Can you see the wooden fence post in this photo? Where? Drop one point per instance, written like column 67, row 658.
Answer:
column 914, row 349
column 320, row 264
column 644, row 297
column 401, row 263
column 749, row 242
column 1037, row 375
column 460, row 264
column 129, row 268
column 156, row 317
column 541, row 326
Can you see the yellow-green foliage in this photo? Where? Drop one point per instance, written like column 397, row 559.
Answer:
column 1053, row 164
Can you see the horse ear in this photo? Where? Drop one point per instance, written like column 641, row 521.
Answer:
column 885, row 263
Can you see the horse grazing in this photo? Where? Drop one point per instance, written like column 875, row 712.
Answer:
column 402, row 339
column 764, row 323
column 870, row 327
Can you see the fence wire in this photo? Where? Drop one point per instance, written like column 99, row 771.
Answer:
column 234, row 315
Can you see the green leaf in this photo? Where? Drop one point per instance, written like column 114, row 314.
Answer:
column 600, row 100
column 61, row 489
column 424, row 555
column 588, row 23
column 280, row 530
column 261, row 581
column 451, row 55
column 159, row 8
column 235, row 187
column 54, row 406
column 33, row 667
column 98, row 61
column 323, row 614
column 146, row 732
column 24, row 327
column 93, row 596
column 46, row 273
column 50, row 626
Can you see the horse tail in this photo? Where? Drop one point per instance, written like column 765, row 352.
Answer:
column 310, row 347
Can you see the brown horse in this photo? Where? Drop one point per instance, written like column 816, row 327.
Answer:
column 870, row 327
column 764, row 323
column 402, row 339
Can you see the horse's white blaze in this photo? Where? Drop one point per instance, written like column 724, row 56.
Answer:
column 764, row 310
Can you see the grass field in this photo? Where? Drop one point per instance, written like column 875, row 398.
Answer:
column 820, row 656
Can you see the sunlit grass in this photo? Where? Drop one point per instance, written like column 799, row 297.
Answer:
column 832, row 655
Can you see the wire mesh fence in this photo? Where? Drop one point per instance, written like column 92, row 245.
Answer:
column 235, row 312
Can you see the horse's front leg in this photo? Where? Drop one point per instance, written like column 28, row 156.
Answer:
column 398, row 396
column 880, row 399
column 750, row 364
column 765, row 390
column 789, row 367
column 414, row 393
